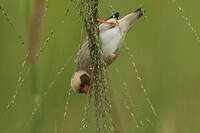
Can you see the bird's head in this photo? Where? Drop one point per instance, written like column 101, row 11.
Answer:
column 127, row 21
column 80, row 82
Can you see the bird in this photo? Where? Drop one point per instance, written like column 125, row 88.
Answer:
column 112, row 33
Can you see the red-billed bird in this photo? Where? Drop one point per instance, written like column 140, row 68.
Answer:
column 112, row 33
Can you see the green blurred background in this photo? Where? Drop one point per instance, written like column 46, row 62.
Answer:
column 166, row 52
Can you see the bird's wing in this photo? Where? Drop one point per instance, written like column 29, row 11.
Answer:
column 84, row 61
column 83, row 57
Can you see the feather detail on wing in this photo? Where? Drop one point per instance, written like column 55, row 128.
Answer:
column 83, row 59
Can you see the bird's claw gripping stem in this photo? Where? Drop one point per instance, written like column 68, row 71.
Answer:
column 106, row 60
column 109, row 58
column 105, row 22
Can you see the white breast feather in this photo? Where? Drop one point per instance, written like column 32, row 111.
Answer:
column 111, row 40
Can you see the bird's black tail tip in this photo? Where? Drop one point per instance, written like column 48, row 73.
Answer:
column 140, row 10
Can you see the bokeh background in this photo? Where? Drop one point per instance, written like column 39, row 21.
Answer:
column 165, row 45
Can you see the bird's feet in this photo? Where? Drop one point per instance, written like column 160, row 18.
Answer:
column 105, row 22
column 109, row 58
column 91, row 68
column 106, row 60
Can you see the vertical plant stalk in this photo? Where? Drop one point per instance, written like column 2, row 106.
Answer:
column 33, row 54
column 99, row 87
column 33, row 48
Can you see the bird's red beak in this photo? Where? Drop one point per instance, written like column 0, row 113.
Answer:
column 85, row 89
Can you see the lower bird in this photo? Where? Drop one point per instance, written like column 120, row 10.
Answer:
column 112, row 33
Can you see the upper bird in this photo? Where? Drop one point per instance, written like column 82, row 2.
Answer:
column 112, row 32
